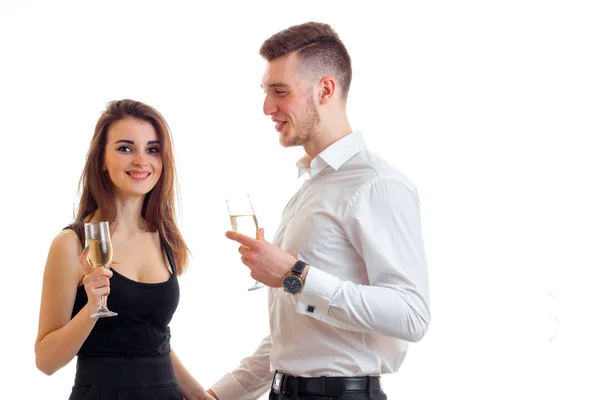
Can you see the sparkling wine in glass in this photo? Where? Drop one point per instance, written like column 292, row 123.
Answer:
column 243, row 220
column 97, row 236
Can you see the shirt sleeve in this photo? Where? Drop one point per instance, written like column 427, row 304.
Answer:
column 383, row 224
column 251, row 379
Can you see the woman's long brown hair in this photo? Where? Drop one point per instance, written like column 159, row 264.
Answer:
column 96, row 189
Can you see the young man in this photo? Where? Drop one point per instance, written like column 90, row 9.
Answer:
column 347, row 269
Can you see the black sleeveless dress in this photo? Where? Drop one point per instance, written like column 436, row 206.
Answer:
column 128, row 356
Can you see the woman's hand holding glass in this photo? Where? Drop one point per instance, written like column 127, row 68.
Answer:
column 96, row 282
column 99, row 257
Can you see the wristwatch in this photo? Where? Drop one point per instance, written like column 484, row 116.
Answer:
column 293, row 282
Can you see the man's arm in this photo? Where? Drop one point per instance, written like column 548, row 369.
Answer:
column 384, row 226
column 248, row 381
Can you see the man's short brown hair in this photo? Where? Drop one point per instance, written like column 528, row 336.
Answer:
column 320, row 50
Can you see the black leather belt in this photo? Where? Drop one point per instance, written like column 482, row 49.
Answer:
column 325, row 385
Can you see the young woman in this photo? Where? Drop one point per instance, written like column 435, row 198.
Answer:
column 129, row 181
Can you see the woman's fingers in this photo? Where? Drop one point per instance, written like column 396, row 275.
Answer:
column 83, row 261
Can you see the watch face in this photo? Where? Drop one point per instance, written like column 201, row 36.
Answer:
column 292, row 284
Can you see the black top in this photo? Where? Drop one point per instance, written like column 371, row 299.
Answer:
column 142, row 327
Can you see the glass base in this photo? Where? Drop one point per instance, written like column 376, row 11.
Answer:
column 257, row 285
column 103, row 312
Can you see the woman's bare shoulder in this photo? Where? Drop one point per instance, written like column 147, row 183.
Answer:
column 64, row 253
column 67, row 241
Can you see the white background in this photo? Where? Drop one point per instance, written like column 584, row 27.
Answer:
column 490, row 108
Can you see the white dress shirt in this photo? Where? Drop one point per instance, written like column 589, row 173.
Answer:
column 356, row 222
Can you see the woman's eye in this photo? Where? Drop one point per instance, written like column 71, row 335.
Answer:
column 124, row 149
column 154, row 150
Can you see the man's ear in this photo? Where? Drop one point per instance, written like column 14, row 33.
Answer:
column 327, row 88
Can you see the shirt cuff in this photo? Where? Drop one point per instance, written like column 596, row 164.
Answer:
column 229, row 388
column 317, row 293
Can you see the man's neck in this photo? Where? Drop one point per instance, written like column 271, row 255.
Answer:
column 329, row 133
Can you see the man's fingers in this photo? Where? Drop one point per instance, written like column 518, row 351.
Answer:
column 245, row 251
column 246, row 262
column 248, row 254
column 261, row 234
column 241, row 239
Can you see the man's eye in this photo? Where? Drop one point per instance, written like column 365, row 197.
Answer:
column 281, row 92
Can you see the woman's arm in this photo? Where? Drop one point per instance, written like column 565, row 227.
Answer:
column 60, row 337
column 190, row 388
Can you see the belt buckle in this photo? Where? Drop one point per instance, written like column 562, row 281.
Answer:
column 277, row 383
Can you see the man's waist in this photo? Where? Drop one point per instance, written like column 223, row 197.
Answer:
column 316, row 360
column 324, row 385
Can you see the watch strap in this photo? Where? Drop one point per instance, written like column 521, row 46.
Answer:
column 298, row 267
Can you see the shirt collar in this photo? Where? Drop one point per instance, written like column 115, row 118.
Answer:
column 333, row 156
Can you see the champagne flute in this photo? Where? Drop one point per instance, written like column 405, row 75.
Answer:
column 97, row 237
column 243, row 220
